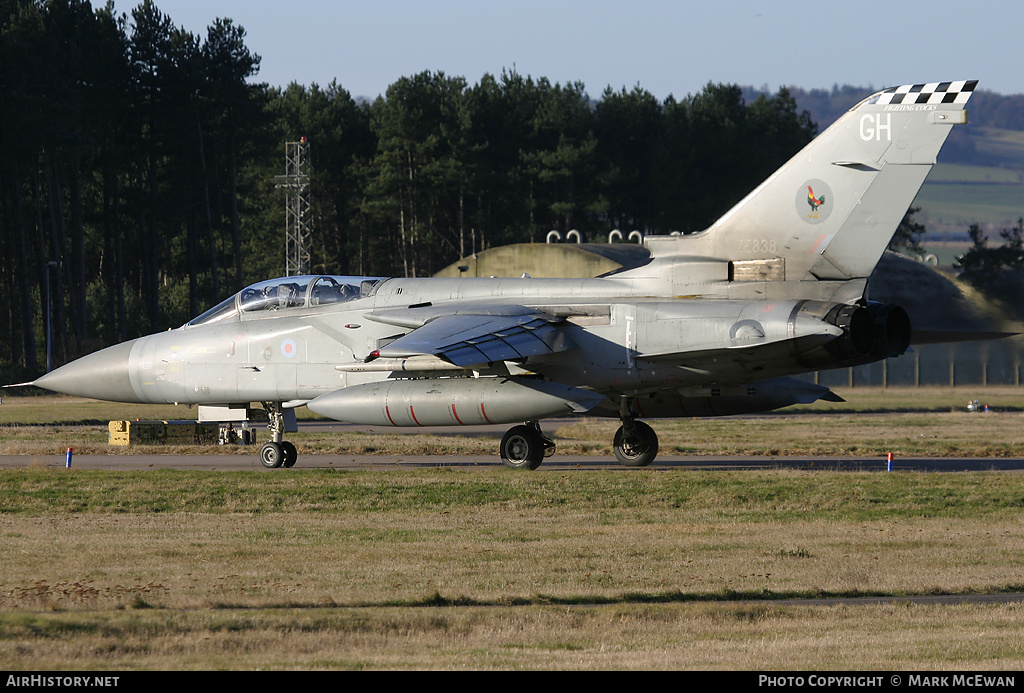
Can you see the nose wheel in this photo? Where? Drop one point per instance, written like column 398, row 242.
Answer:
column 274, row 455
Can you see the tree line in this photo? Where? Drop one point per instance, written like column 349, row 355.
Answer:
column 997, row 270
column 137, row 182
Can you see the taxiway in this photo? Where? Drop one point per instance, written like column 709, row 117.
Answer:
column 246, row 458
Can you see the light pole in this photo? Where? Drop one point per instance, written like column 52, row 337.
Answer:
column 49, row 349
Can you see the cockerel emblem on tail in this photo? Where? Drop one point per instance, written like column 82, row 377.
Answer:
column 814, row 202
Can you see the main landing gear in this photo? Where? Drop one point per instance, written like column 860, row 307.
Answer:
column 635, row 444
column 525, row 446
column 278, row 452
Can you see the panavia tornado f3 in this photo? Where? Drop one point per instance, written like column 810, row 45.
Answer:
column 716, row 323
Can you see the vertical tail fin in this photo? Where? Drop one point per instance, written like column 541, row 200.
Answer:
column 832, row 209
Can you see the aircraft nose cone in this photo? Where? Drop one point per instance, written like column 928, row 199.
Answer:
column 101, row 375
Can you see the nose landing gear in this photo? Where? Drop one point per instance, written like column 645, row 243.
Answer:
column 278, row 452
column 274, row 454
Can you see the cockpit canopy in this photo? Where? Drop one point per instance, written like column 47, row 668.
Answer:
column 288, row 293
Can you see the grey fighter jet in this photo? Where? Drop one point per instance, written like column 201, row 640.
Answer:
column 718, row 322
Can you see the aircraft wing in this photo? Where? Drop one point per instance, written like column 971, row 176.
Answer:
column 466, row 339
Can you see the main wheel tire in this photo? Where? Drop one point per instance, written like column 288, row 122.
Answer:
column 639, row 448
column 271, row 455
column 522, row 447
column 290, row 454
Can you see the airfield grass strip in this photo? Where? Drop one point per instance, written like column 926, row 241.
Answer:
column 438, row 600
column 616, row 638
column 495, row 568
column 671, row 597
column 750, row 496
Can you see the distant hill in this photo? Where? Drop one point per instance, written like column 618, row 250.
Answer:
column 987, row 108
column 980, row 177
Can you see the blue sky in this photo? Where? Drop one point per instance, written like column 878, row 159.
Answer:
column 665, row 46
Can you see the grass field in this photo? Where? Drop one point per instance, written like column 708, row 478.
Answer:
column 490, row 568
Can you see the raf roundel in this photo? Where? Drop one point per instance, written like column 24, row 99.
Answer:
column 288, row 348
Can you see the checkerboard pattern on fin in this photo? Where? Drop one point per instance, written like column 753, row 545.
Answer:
column 932, row 93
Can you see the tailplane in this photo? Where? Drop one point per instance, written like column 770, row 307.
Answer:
column 830, row 211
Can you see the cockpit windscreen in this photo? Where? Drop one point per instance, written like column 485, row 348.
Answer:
column 288, row 293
